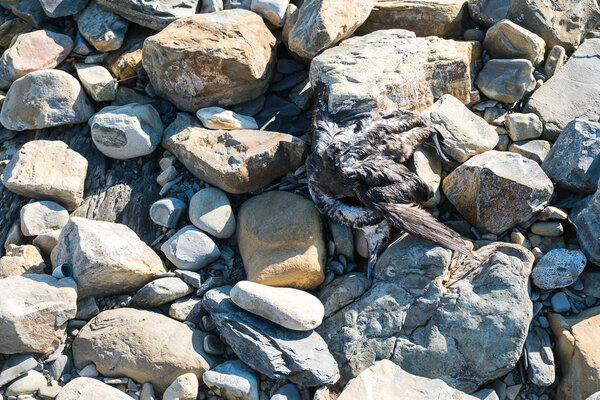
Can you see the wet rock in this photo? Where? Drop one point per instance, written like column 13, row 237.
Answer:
column 236, row 161
column 161, row 291
column 152, row 14
column 42, row 217
column 523, row 126
column 185, row 387
column 237, row 59
column 107, row 258
column 211, row 212
column 166, row 212
column 496, row 190
column 233, row 380
column 103, row 29
column 19, row 260
column 97, row 82
column 343, row 291
column 586, row 218
column 190, row 249
column 508, row 40
column 506, row 80
column 540, row 358
column 280, row 247
column 90, row 389
column 35, row 312
column 219, row 118
column 536, row 150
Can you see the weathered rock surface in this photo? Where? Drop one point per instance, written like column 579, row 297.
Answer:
column 509, row 40
column 151, row 14
column 62, row 8
column 190, row 249
column 102, row 28
column 540, row 357
column 573, row 92
column 185, row 387
column 29, row 383
column 42, row 217
column 393, row 68
column 161, row 291
column 23, row 259
column 237, row 161
column 16, row 366
column 90, row 389
column 586, row 218
column 496, row 190
column 166, row 212
column 426, row 163
column 43, row 99
column 523, row 126
column 107, row 258
column 433, row 319
column 233, row 380
column 489, row 12
column 343, row 291
column 150, row 347
column 506, row 80
column 97, row 82
column 220, row 118
column 45, row 169
column 281, row 247
column 211, row 212
column 558, row 268
column 34, row 312
column 211, row 59
column 536, row 150
column 301, row 357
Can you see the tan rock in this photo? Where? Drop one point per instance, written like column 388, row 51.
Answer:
column 237, row 161
column 20, row 260
column 280, row 237
column 90, row 389
column 319, row 24
column 150, row 347
column 578, row 353
column 124, row 62
column 49, row 170
column 220, row 58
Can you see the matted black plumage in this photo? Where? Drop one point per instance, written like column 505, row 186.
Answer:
column 356, row 175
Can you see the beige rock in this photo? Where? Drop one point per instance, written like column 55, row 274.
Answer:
column 90, row 389
column 220, row 58
column 107, row 258
column 236, row 161
column 20, row 260
column 280, row 237
column 42, row 217
column 150, row 347
column 509, row 40
column 29, row 383
column 320, row 24
column 393, row 68
column 97, row 81
column 45, row 169
column 535, row 150
column 185, row 387
column 47, row 241
column 124, row 63
column 427, row 165
column 556, row 59
column 578, row 353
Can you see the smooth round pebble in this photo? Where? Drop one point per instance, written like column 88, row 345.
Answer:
column 166, row 212
column 560, row 302
column 190, row 249
column 42, row 217
column 549, row 229
column 558, row 268
column 31, row 382
column 161, row 291
column 210, row 211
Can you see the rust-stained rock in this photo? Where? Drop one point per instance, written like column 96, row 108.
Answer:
column 124, row 62
column 220, row 58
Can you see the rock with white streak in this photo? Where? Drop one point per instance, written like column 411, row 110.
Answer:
column 233, row 380
column 220, row 118
column 558, row 268
column 41, row 217
column 97, row 81
column 190, row 249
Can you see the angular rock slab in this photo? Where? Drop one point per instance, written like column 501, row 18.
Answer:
column 90, row 389
column 393, row 68
column 572, row 92
column 586, row 218
column 34, row 312
column 142, row 345
column 152, row 14
column 220, row 58
column 107, row 258
column 498, row 190
column 236, row 161
column 48, row 170
column 434, row 318
column 301, row 357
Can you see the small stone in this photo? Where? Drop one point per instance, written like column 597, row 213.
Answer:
column 62, row 8
column 209, row 6
column 103, row 29
column 57, row 368
column 503, row 143
column 212, row 345
column 220, row 118
column 41, row 217
column 535, row 150
column 15, row 367
column 190, row 277
column 506, row 80
column 234, row 380
column 271, row 10
column 147, row 392
column 49, row 392
column 550, row 228
column 166, row 212
column 517, row 238
column 524, row 126
column 153, row 14
column 509, row 40
column 125, row 132
column 87, row 308
column 513, row 391
column 552, row 213
column 560, row 302
column 250, row 107
column 47, row 241
column 558, row 268
column 556, row 59
column 89, row 371
column 185, row 387
column 495, row 115
column 161, row 291
column 302, row 95
column 89, row 389
column 190, row 249
column 343, row 238
column 211, row 212
column 187, row 309
column 31, row 382
column 474, row 34
column 540, row 357
column 97, row 82
column 167, row 176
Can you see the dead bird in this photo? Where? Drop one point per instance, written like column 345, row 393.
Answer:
column 356, row 175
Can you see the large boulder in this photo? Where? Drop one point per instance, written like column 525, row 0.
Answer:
column 152, row 14
column 107, row 258
column 90, row 389
column 320, row 24
column 45, row 98
column 220, row 58
column 142, row 345
column 586, row 218
column 34, row 312
column 237, row 161
column 498, row 190
column 45, row 169
column 573, row 91
column 394, row 69
column 433, row 316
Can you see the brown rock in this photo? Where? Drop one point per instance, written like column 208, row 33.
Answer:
column 280, row 237
column 20, row 260
column 220, row 58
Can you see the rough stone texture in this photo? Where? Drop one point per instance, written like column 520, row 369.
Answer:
column 233, row 380
column 23, row 259
column 97, row 82
column 320, row 24
column 489, row 12
column 33, row 51
column 506, row 80
column 11, row 28
column 190, row 249
column 221, row 58
column 34, row 312
column 540, row 358
column 237, row 161
column 586, row 218
column 45, row 98
column 62, row 8
column 107, row 258
column 464, row 133
column 508, row 40
column 343, row 291
column 441, row 18
column 280, row 237
column 578, row 353
column 393, row 68
column 574, row 161
column 42, row 217
column 523, row 126
column 152, row 14
column 536, row 150
column 187, row 309
column 433, row 318
column 103, row 29
column 497, row 190
column 384, row 380
column 90, row 389
column 211, row 212
column 220, row 118
column 558, row 268
column 16, row 366
column 161, row 291
column 45, row 169
column 150, row 347
column 573, row 92
column 301, row 357
column 29, row 10
column 185, row 387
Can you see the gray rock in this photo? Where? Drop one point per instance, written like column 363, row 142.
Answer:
column 574, row 160
column 41, row 217
column 29, row 10
column 15, row 367
column 87, row 308
column 29, row 383
column 271, row 10
column 147, row 392
column 573, row 92
column 59, row 366
column 486, row 394
column 97, row 82
column 190, row 249
column 103, row 29
column 211, row 212
column 185, row 387
column 508, row 40
column 186, row 309
column 586, row 218
column 166, row 212
column 343, row 291
column 45, row 98
column 426, row 163
column 556, row 59
column 343, row 239
column 233, row 380
column 90, row 389
column 536, row 150
column 161, row 291
column 47, row 241
column 540, row 358
column 190, row 277
column 155, row 14
column 209, row 6
column 489, row 12
column 301, row 357
column 287, row 392
column 549, row 229
column 560, row 302
column 558, row 268
column 465, row 134
column 62, row 8
column 523, row 126
column 124, row 132
column 506, row 80
column 433, row 321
